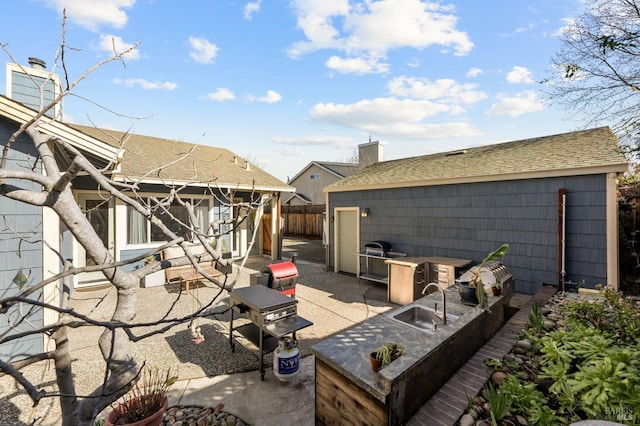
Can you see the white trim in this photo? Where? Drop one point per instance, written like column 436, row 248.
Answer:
column 21, row 114
column 572, row 172
column 613, row 268
column 50, row 267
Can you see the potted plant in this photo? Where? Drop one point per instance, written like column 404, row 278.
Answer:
column 385, row 354
column 474, row 292
column 496, row 289
column 145, row 403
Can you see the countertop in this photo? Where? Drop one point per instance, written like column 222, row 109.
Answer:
column 348, row 352
column 418, row 260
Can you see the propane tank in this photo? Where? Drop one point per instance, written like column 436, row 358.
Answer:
column 286, row 359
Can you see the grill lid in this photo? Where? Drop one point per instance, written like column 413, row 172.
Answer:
column 491, row 273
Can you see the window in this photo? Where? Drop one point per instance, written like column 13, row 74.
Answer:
column 315, row 176
column 142, row 231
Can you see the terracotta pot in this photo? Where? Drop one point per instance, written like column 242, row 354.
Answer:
column 153, row 420
column 376, row 364
column 497, row 291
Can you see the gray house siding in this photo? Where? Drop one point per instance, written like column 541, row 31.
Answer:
column 471, row 220
column 26, row 93
column 27, row 221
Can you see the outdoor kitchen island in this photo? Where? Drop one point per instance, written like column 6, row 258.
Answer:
column 348, row 391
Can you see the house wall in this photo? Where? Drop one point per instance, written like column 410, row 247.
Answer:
column 470, row 220
column 25, row 220
column 312, row 188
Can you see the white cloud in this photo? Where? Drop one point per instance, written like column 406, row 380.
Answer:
column 397, row 118
column 251, row 8
column 110, row 42
column 202, row 50
column 94, row 14
column 474, row 72
column 221, row 94
column 513, row 106
column 382, row 111
column 443, row 90
column 319, row 140
column 147, row 85
column 270, row 98
column 371, row 29
column 357, row 65
column 520, row 75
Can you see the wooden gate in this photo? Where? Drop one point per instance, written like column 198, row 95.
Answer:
column 266, row 234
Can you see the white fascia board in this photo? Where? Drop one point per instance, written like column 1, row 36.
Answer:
column 19, row 113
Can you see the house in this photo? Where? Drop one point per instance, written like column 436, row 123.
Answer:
column 553, row 199
column 311, row 180
column 212, row 178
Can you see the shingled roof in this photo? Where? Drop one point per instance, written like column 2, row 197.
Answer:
column 204, row 165
column 568, row 154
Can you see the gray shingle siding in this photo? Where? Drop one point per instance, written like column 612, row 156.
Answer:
column 27, row 221
column 470, row 220
column 25, row 92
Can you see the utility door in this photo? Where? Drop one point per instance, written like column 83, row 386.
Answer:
column 100, row 213
column 346, row 237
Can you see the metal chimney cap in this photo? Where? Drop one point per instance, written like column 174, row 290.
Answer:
column 37, row 63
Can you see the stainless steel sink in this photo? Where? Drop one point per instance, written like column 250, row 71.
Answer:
column 421, row 318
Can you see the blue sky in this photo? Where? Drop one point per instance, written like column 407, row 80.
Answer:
column 286, row 82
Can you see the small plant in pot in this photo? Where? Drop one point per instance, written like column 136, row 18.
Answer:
column 385, row 354
column 145, row 403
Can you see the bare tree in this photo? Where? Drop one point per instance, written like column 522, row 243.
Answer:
column 54, row 191
column 596, row 72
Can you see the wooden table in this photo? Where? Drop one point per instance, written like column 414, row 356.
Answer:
column 191, row 275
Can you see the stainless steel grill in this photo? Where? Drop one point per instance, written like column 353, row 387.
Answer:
column 381, row 249
column 492, row 272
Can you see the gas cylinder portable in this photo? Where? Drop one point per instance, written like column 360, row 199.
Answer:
column 286, row 359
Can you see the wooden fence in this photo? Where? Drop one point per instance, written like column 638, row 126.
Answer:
column 303, row 221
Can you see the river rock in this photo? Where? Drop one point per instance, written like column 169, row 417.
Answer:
column 467, row 420
column 498, row 377
column 524, row 344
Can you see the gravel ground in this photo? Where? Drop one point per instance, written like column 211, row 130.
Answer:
column 331, row 301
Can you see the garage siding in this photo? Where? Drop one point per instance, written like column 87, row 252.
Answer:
column 470, row 220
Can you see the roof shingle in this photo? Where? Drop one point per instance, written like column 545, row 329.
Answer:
column 581, row 152
column 203, row 164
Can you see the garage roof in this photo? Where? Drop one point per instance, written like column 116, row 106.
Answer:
column 592, row 151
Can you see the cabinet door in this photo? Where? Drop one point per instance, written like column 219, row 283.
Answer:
column 401, row 284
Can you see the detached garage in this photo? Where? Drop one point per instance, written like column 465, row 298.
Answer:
column 552, row 199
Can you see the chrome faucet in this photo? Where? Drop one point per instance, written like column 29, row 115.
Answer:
column 442, row 317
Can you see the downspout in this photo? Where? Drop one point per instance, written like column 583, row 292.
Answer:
column 562, row 210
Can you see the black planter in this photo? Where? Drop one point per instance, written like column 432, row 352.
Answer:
column 467, row 294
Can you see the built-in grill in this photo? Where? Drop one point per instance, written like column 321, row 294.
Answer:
column 491, row 272
column 272, row 314
column 381, row 249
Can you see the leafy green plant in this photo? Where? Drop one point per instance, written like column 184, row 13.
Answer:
column 476, row 279
column 388, row 352
column 536, row 319
column 493, row 363
column 498, row 401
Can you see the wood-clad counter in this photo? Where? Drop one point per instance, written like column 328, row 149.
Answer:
column 349, row 392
